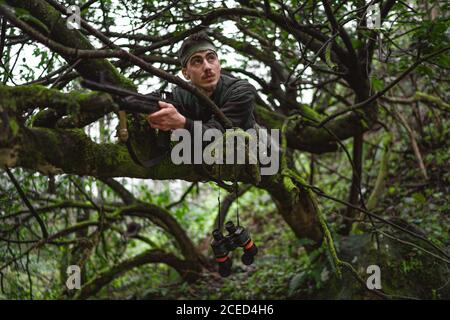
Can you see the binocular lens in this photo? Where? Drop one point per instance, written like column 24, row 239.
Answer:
column 250, row 252
column 225, row 267
column 247, row 259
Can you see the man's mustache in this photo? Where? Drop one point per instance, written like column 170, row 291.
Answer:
column 208, row 75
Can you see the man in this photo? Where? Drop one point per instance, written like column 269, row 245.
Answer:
column 200, row 65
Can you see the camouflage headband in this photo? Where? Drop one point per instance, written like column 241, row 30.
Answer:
column 201, row 46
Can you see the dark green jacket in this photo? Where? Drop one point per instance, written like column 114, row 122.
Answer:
column 235, row 97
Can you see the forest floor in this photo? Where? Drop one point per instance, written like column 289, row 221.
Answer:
column 284, row 270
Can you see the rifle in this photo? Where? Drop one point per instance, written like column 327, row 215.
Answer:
column 146, row 103
column 141, row 104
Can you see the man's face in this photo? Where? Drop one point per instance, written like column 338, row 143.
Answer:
column 203, row 69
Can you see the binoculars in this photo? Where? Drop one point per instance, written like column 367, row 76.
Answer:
column 223, row 245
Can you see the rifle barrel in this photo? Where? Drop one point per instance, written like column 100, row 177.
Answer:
column 96, row 86
column 117, row 91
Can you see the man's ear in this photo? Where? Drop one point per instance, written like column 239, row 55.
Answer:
column 185, row 74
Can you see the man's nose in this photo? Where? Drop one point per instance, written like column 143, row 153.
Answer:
column 207, row 65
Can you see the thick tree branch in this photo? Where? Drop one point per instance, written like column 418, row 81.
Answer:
column 184, row 268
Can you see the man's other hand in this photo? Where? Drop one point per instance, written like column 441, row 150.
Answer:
column 167, row 118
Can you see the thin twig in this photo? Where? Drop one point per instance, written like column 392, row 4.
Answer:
column 27, row 203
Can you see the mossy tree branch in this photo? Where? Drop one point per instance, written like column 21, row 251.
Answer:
column 184, row 268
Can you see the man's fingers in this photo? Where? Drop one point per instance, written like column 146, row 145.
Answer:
column 164, row 105
column 165, row 119
column 165, row 109
column 158, row 114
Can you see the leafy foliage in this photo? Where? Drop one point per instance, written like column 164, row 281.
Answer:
column 310, row 61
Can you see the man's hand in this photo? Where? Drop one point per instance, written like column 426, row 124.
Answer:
column 167, row 118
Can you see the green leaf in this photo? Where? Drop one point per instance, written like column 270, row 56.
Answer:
column 444, row 60
column 419, row 197
column 377, row 84
column 357, row 44
column 296, row 282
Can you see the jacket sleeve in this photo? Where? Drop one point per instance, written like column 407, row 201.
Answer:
column 238, row 107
